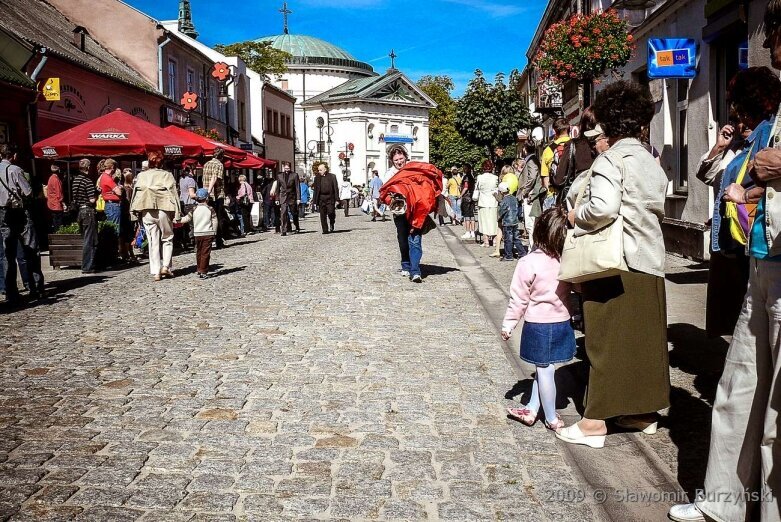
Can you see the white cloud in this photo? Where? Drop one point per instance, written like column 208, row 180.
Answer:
column 494, row 9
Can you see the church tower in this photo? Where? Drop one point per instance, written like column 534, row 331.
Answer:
column 186, row 19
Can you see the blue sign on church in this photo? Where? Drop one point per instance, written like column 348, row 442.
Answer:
column 672, row 58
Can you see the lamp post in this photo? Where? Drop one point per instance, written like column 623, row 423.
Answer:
column 345, row 155
column 320, row 125
column 224, row 75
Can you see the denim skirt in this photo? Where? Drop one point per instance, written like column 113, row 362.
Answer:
column 547, row 343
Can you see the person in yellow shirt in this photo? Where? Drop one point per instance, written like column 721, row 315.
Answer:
column 454, row 194
column 549, row 163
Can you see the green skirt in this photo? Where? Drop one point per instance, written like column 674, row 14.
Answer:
column 626, row 345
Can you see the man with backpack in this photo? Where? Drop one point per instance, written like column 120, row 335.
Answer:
column 551, row 157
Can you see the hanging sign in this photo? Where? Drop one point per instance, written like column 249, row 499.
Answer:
column 51, row 89
column 672, row 58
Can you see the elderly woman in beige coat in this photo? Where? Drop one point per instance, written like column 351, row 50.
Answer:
column 156, row 202
column 625, row 315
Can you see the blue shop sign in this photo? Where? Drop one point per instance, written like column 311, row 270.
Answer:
column 672, row 58
column 398, row 138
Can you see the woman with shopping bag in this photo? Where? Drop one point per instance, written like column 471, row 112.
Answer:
column 616, row 251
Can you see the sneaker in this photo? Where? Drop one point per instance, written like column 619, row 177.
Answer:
column 507, row 259
column 404, row 273
column 685, row 513
column 417, row 279
column 466, row 235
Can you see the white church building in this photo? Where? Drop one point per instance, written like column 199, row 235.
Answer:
column 346, row 114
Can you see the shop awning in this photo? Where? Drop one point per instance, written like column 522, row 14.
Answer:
column 232, row 153
column 254, row 162
column 115, row 134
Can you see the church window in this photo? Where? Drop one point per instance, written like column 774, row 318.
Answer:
column 394, row 129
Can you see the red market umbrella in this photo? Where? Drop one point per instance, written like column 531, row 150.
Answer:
column 253, row 162
column 232, row 153
column 115, row 134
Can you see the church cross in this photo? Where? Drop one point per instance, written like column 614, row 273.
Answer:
column 285, row 11
column 393, row 56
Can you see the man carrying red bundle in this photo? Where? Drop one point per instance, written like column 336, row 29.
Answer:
column 411, row 194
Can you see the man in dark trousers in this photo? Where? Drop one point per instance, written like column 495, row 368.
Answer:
column 326, row 194
column 288, row 197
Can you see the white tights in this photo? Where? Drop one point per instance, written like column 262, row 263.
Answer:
column 544, row 390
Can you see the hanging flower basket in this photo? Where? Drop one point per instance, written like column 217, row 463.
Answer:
column 584, row 47
column 211, row 134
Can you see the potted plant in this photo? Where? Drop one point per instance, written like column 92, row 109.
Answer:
column 66, row 245
column 584, row 47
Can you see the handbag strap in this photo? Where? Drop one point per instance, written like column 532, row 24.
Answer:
column 587, row 181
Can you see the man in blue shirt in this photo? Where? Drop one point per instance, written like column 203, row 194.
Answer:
column 374, row 190
column 304, row 198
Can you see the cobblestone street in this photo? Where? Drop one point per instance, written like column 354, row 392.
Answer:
column 306, row 380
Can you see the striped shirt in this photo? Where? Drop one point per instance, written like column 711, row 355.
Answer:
column 83, row 189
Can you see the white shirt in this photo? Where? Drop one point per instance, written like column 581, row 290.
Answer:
column 389, row 174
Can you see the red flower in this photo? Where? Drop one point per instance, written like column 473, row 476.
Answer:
column 189, row 101
column 629, row 38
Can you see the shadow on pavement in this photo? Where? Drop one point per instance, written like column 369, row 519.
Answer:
column 435, row 270
column 342, row 231
column 694, row 277
column 689, row 417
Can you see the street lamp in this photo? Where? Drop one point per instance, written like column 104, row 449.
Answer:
column 345, row 155
column 320, row 125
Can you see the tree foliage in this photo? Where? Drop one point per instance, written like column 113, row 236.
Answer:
column 490, row 115
column 447, row 147
column 259, row 56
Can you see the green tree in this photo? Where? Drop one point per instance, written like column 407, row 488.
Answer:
column 447, row 147
column 490, row 115
column 259, row 56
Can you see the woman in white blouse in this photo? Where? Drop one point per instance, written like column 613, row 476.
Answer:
column 487, row 205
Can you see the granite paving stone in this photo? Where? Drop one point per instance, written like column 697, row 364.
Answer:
column 306, row 381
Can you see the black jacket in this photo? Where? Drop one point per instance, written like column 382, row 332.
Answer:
column 326, row 189
column 288, row 188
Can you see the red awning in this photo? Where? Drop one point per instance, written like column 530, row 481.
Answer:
column 115, row 134
column 231, row 152
column 254, row 162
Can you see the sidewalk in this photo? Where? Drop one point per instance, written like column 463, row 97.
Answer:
column 696, row 364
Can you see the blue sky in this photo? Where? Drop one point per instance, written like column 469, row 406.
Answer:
column 452, row 37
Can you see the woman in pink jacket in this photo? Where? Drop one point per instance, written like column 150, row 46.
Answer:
column 539, row 298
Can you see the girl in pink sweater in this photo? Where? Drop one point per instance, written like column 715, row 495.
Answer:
column 539, row 298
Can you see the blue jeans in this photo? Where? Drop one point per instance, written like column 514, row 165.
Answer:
column 17, row 235
column 113, row 213
column 88, row 227
column 456, row 204
column 512, row 240
column 410, row 245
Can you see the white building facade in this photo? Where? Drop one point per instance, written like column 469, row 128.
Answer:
column 346, row 114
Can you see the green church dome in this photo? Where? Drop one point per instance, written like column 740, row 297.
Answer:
column 308, row 50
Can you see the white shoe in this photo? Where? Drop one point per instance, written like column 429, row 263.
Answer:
column 628, row 423
column 471, row 235
column 466, row 235
column 685, row 513
column 404, row 273
column 417, row 279
column 573, row 435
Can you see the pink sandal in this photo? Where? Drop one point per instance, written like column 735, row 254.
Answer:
column 555, row 425
column 524, row 415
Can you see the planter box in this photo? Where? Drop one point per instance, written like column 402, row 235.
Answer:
column 65, row 249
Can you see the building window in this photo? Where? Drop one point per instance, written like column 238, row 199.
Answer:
column 276, row 123
column 269, row 121
column 190, row 80
column 172, row 91
column 213, row 102
column 394, row 129
column 681, row 143
column 283, row 84
column 288, row 130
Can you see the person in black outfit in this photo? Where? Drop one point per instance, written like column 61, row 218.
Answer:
column 325, row 196
column 288, row 197
column 84, row 197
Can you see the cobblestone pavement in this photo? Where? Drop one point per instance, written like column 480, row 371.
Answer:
column 307, row 380
column 696, row 364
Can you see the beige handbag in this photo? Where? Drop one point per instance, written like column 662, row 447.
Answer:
column 594, row 255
